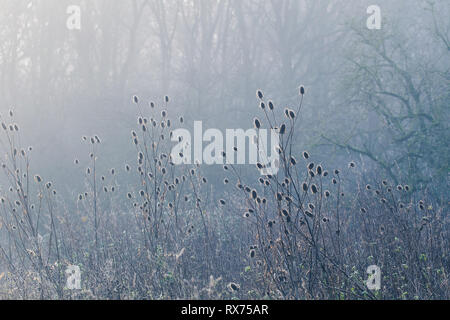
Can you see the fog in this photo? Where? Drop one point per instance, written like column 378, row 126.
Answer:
column 376, row 100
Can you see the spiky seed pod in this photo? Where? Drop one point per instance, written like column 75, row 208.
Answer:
column 257, row 123
column 302, row 90
column 279, row 196
column 292, row 114
column 259, row 94
column 293, row 161
column 319, row 170
column 233, row 287
column 305, row 186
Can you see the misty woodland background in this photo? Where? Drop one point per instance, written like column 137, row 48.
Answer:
column 85, row 141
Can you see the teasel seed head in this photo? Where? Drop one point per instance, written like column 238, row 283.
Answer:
column 319, row 170
column 259, row 94
column 257, row 123
column 309, row 214
column 292, row 114
column 302, row 90
column 233, row 287
column 293, row 161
